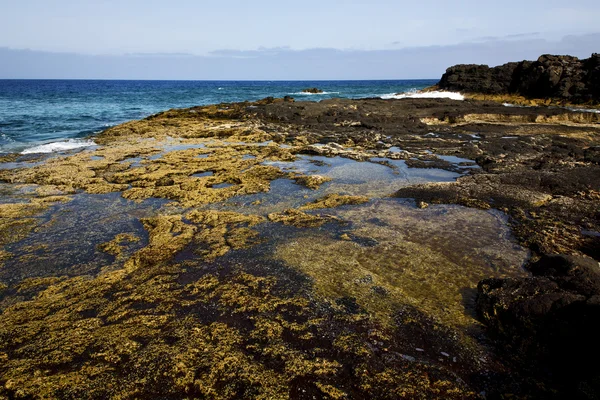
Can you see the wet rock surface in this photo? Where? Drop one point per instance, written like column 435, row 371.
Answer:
column 248, row 250
column 561, row 78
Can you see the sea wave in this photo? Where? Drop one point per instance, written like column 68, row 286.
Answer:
column 586, row 110
column 312, row 94
column 515, row 105
column 59, row 146
column 4, row 138
column 414, row 94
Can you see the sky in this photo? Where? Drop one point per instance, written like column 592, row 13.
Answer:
column 268, row 39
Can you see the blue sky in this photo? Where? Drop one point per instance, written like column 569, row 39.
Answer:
column 266, row 39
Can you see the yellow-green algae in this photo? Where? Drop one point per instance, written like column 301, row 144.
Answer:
column 170, row 177
column 334, row 200
column 168, row 234
column 312, row 181
column 141, row 331
column 115, row 246
column 223, row 231
column 298, row 218
column 411, row 258
column 143, row 328
column 158, row 158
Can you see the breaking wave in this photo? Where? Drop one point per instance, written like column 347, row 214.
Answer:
column 59, row 146
column 587, row 110
column 414, row 94
column 312, row 94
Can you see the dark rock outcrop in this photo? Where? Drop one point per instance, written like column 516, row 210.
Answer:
column 552, row 317
column 563, row 78
column 312, row 90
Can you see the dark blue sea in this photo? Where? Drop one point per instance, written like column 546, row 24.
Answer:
column 52, row 115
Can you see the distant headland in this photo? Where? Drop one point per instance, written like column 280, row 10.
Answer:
column 552, row 79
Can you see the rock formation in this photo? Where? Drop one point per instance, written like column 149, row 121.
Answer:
column 552, row 317
column 312, row 90
column 561, row 78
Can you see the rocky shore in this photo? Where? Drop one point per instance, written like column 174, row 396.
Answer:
column 550, row 79
column 414, row 248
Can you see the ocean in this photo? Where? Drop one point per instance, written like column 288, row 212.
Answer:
column 39, row 116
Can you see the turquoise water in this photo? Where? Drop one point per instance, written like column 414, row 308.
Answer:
column 34, row 112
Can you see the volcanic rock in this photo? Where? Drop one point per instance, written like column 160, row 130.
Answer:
column 312, row 90
column 563, row 78
column 552, row 317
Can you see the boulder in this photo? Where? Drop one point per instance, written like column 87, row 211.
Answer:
column 579, row 275
column 552, row 317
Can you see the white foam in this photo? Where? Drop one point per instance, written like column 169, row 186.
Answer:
column 424, row 95
column 586, row 110
column 515, row 105
column 59, row 146
column 312, row 94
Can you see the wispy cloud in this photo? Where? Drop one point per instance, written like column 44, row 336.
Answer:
column 516, row 36
column 523, row 35
column 159, row 55
column 285, row 63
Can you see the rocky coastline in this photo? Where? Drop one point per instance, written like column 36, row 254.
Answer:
column 551, row 79
column 413, row 248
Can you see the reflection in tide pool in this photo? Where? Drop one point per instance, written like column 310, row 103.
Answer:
column 348, row 177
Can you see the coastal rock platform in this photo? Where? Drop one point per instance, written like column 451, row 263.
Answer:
column 279, row 249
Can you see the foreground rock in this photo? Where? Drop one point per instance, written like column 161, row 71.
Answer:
column 552, row 318
column 561, row 78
